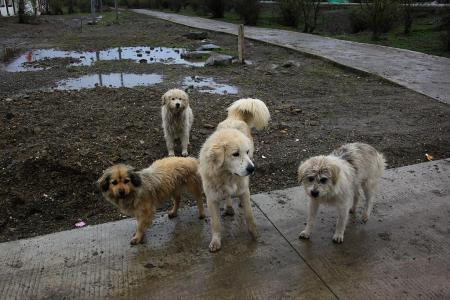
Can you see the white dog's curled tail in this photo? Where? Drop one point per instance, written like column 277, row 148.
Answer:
column 252, row 111
column 381, row 164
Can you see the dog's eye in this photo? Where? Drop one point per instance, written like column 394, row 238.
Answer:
column 323, row 180
column 126, row 181
column 236, row 154
column 248, row 151
column 173, row 98
column 114, row 182
column 311, row 178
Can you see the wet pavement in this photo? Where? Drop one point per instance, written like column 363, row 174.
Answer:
column 30, row 60
column 423, row 73
column 401, row 253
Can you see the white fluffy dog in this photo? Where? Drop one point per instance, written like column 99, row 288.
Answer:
column 177, row 119
column 226, row 163
column 335, row 180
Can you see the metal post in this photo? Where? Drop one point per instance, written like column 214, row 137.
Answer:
column 241, row 43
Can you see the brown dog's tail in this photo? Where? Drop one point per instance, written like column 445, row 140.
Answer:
column 254, row 112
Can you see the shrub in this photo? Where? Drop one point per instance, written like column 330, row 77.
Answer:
column 248, row 10
column 84, row 5
column 176, row 5
column 310, row 9
column 216, row 7
column 380, row 15
column 358, row 21
column 446, row 27
column 56, row 7
column 290, row 11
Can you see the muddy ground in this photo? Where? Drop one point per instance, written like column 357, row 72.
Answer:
column 55, row 144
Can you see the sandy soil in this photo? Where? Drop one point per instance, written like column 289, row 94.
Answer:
column 55, row 144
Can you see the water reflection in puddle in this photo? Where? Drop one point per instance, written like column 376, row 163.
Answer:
column 27, row 61
column 113, row 80
column 208, row 85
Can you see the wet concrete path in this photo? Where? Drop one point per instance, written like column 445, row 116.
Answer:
column 401, row 253
column 425, row 74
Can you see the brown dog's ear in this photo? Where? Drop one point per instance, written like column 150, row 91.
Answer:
column 103, row 182
column 135, row 178
column 216, row 155
column 334, row 170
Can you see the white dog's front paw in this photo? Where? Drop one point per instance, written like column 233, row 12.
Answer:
column 184, row 153
column 304, row 235
column 215, row 244
column 171, row 153
column 338, row 238
column 253, row 232
column 365, row 217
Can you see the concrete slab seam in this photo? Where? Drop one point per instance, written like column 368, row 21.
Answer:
column 296, row 251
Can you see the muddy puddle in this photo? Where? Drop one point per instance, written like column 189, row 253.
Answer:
column 36, row 60
column 112, row 80
column 208, row 85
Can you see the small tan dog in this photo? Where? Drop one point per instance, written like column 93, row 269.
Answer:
column 226, row 163
column 335, row 180
column 139, row 193
column 177, row 119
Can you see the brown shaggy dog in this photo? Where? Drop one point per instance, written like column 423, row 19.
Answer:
column 139, row 193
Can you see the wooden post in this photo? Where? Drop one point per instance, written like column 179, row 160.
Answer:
column 94, row 20
column 6, row 5
column 241, row 43
column 14, row 7
column 117, row 9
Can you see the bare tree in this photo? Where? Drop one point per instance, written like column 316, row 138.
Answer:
column 22, row 17
column 290, row 11
column 70, row 10
column 380, row 15
column 310, row 10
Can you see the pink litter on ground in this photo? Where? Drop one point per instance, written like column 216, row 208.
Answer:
column 80, row 224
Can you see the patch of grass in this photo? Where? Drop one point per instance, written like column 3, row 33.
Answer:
column 425, row 37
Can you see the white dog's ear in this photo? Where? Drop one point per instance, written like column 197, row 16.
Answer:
column 334, row 171
column 216, row 155
column 163, row 99
column 301, row 173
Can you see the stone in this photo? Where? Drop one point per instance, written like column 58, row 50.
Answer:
column 290, row 63
column 9, row 115
column 208, row 47
column 195, row 54
column 219, row 60
column 198, row 35
column 143, row 61
column 209, row 126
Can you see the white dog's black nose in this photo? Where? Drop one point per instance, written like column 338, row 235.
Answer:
column 177, row 105
column 250, row 169
column 315, row 193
